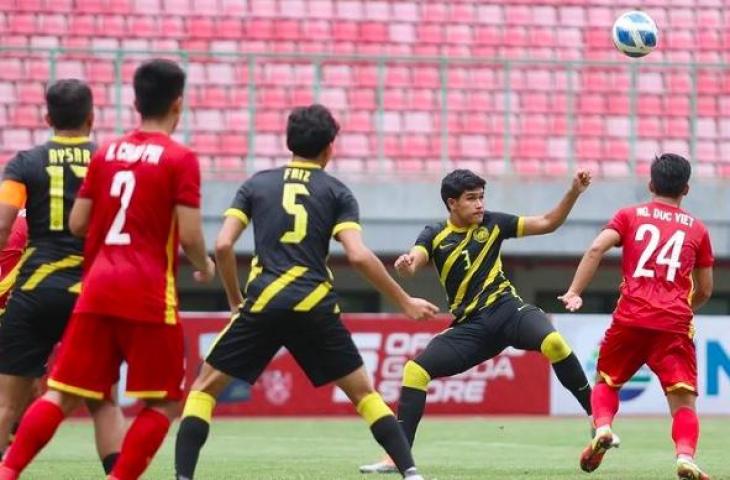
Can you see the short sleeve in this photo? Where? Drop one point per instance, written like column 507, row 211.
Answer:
column 88, row 185
column 620, row 223
column 705, row 257
column 347, row 215
column 14, row 170
column 510, row 226
column 424, row 242
column 241, row 206
column 187, row 181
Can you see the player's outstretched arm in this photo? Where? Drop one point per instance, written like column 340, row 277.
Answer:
column 409, row 263
column 550, row 221
column 190, row 228
column 78, row 219
column 587, row 267
column 370, row 266
column 703, row 285
column 225, row 257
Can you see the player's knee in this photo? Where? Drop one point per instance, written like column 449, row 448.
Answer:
column 555, row 348
column 372, row 408
column 415, row 376
column 199, row 404
column 211, row 381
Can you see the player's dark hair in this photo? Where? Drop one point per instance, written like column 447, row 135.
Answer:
column 670, row 175
column 69, row 102
column 458, row 182
column 309, row 130
column 157, row 84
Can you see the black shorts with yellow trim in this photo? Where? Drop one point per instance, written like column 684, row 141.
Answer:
column 318, row 341
column 509, row 322
column 30, row 327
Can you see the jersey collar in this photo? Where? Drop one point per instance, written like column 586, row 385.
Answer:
column 304, row 165
column 69, row 140
column 456, row 229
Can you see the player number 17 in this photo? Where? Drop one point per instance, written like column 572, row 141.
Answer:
column 668, row 255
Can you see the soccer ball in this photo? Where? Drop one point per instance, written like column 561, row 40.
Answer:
column 635, row 34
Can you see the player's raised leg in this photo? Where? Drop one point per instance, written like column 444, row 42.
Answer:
column 195, row 422
column 381, row 420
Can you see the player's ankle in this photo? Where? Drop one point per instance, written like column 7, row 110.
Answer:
column 683, row 457
column 603, row 429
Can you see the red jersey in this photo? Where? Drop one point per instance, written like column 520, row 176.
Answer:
column 10, row 256
column 131, row 249
column 662, row 245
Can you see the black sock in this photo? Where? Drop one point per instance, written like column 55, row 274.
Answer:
column 390, row 436
column 571, row 375
column 191, row 437
column 109, row 461
column 410, row 410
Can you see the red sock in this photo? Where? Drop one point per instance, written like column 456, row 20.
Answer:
column 604, row 401
column 140, row 444
column 37, row 427
column 685, row 431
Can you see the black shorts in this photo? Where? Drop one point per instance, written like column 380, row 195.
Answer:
column 319, row 342
column 510, row 323
column 30, row 328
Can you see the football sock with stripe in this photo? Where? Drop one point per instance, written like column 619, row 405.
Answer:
column 685, row 431
column 193, row 433
column 109, row 461
column 386, row 431
column 141, row 442
column 412, row 398
column 604, row 400
column 567, row 368
column 38, row 426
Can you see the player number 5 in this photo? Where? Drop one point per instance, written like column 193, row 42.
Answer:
column 289, row 202
column 122, row 187
column 668, row 255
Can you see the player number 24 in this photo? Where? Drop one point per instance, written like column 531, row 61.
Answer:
column 668, row 255
column 123, row 185
column 297, row 210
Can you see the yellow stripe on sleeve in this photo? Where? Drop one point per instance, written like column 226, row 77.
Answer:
column 345, row 226
column 277, row 286
column 236, row 213
column 520, row 226
column 423, row 249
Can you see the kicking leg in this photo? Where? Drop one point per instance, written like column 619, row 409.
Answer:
column 196, row 417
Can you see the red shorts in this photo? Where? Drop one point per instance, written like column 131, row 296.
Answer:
column 671, row 356
column 94, row 347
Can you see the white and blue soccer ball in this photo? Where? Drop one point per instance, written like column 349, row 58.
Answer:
column 635, row 34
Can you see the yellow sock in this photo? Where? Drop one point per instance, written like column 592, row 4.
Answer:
column 199, row 404
column 372, row 408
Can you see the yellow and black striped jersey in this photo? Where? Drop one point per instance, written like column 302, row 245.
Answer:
column 51, row 174
column 295, row 210
column 468, row 260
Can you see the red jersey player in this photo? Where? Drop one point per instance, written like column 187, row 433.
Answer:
column 140, row 201
column 10, row 257
column 664, row 247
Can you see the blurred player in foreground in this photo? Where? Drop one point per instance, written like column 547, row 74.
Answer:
column 489, row 316
column 139, row 202
column 663, row 248
column 295, row 210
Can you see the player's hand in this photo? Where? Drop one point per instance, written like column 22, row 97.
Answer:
column 404, row 265
column 419, row 309
column 208, row 275
column 581, row 181
column 571, row 300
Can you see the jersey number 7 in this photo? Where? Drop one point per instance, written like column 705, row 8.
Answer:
column 122, row 187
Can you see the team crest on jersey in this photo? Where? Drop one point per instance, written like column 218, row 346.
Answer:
column 481, row 235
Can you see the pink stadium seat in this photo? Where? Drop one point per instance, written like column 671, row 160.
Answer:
column 111, row 26
column 233, row 144
column 201, row 27
column 16, row 139
column 83, row 25
column 22, row 24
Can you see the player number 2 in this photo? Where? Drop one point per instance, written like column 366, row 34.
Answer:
column 297, row 210
column 122, row 188
column 668, row 255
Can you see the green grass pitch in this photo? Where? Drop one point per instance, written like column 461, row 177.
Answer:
column 447, row 448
